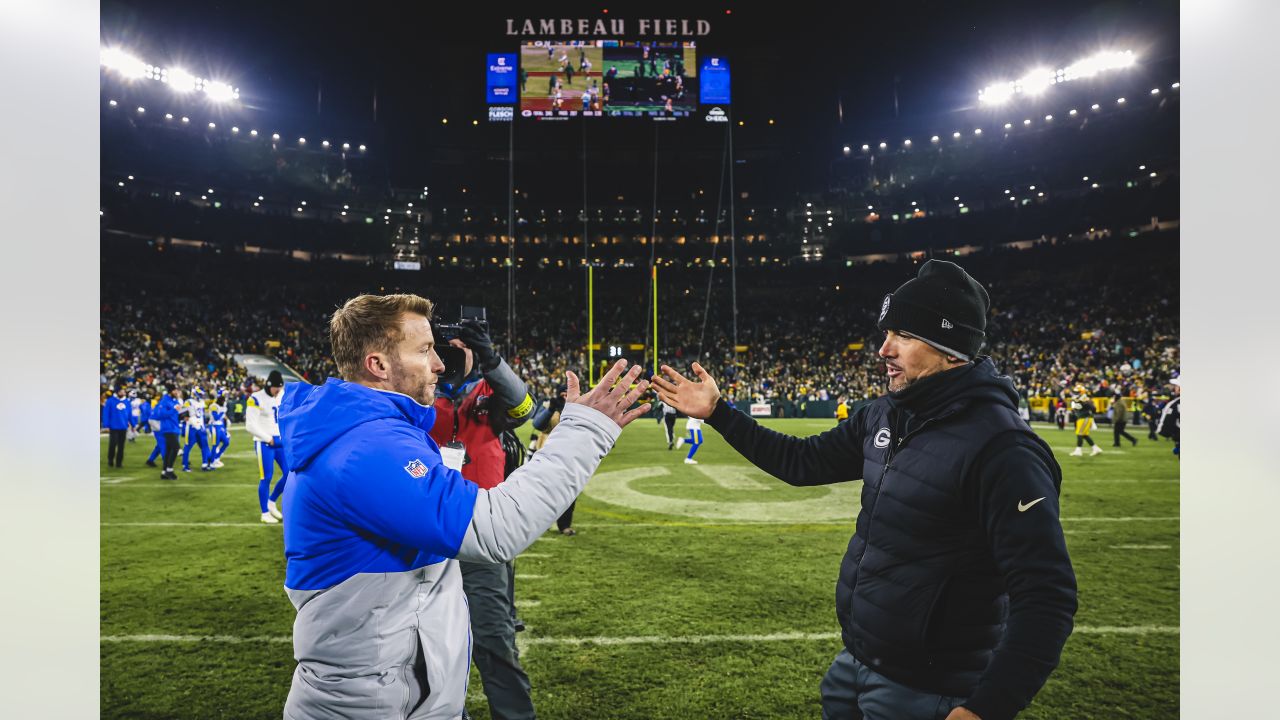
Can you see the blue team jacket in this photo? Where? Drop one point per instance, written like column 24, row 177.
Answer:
column 115, row 413
column 166, row 411
column 368, row 492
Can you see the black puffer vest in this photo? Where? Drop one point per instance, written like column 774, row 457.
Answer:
column 919, row 597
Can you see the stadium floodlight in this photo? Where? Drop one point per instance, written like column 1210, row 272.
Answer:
column 1094, row 106
column 956, row 198
column 346, row 146
column 808, row 204
column 346, row 207
column 168, row 116
column 120, row 184
column 1008, row 126
column 1036, row 81
column 235, row 130
column 865, row 147
column 1006, row 191
column 884, row 145
column 177, row 192
column 204, row 197
column 1119, row 101
column 253, row 133
column 1155, row 91
column 977, row 131
column 933, row 139
column 1085, row 178
column 213, row 126
column 1039, row 194
column 260, row 197
column 141, row 109
column 256, row 204
column 846, row 150
column 324, row 143
column 1033, row 187
column 907, row 142
column 1152, row 175
column 304, row 202
column 275, row 136
column 122, row 62
column 1175, row 86
column 112, row 103
column 1072, row 112
column 913, row 203
column 362, row 148
column 302, row 141
column 1142, row 167
column 130, row 177
column 996, row 94
column 180, row 80
column 1048, row 118
column 186, row 119
column 220, row 92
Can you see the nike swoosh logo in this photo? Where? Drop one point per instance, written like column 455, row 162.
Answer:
column 1023, row 507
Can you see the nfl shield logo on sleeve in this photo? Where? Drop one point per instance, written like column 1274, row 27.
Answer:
column 416, row 469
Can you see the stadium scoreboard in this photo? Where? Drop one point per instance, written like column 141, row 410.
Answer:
column 563, row 79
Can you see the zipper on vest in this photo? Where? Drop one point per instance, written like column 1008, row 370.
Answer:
column 888, row 465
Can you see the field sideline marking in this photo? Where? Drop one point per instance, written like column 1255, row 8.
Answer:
column 1142, row 547
column 633, row 640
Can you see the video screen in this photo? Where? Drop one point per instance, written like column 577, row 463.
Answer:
column 560, row 80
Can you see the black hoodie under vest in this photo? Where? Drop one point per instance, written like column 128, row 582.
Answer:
column 957, row 579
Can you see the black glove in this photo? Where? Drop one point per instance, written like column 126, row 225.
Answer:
column 473, row 335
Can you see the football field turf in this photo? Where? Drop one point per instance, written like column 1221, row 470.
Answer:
column 689, row 592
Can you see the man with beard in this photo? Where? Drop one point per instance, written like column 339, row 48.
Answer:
column 377, row 522
column 956, row 594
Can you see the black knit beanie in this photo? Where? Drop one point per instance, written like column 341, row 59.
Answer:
column 943, row 306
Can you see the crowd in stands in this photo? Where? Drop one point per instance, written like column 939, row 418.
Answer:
column 1101, row 313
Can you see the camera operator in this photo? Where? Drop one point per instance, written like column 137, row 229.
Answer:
column 473, row 409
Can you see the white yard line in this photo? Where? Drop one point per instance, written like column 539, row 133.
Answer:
column 190, row 524
column 634, row 525
column 1141, row 547
column 630, row 640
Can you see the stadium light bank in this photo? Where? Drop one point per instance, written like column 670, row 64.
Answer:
column 1038, row 80
column 130, row 67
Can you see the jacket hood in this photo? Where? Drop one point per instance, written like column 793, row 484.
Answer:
column 944, row 391
column 312, row 417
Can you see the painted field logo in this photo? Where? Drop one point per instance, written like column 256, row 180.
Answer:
column 882, row 438
column 416, row 469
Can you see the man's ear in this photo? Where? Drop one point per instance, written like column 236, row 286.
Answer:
column 376, row 365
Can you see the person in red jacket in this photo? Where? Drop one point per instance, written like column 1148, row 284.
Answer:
column 471, row 417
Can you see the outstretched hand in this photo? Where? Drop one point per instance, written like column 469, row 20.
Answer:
column 611, row 395
column 695, row 399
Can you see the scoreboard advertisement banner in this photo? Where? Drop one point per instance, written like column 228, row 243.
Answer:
column 714, row 81
column 501, row 79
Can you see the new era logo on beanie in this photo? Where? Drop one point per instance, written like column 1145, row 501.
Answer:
column 943, row 306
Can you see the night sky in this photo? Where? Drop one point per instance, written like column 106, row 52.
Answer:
column 316, row 69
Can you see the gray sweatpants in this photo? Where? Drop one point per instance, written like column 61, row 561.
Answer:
column 490, row 597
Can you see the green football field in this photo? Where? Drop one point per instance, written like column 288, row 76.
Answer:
column 689, row 592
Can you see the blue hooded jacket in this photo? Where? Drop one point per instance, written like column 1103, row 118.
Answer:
column 368, row 492
column 115, row 413
column 167, row 413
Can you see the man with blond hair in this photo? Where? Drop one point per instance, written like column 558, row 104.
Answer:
column 377, row 522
